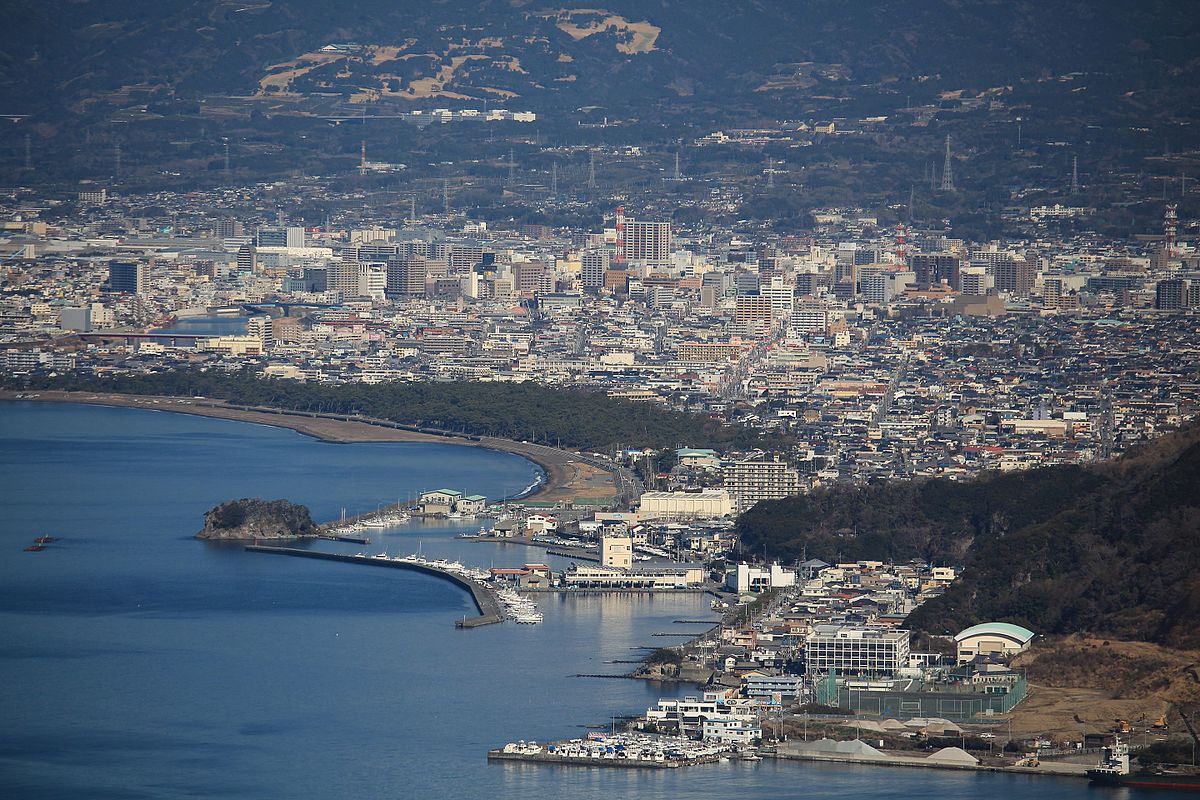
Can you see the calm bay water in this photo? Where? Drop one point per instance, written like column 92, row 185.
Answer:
column 138, row 662
column 208, row 326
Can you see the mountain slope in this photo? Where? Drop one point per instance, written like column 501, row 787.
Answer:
column 1112, row 550
column 75, row 53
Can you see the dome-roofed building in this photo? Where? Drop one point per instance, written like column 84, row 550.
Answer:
column 992, row 639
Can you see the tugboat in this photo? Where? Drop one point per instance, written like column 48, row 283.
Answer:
column 1113, row 770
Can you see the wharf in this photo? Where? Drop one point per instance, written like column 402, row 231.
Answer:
column 887, row 759
column 613, row 590
column 579, row 554
column 351, row 539
column 561, row 550
column 485, row 601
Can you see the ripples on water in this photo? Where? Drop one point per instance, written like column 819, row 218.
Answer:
column 138, row 662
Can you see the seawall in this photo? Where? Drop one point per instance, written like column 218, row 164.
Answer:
column 485, row 602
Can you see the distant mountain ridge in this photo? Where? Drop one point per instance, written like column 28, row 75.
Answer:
column 1110, row 550
column 81, row 54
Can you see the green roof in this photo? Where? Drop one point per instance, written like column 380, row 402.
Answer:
column 475, row 497
column 1016, row 632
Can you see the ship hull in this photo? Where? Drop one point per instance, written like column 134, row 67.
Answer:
column 1150, row 781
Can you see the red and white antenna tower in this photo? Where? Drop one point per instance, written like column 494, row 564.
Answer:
column 1170, row 223
column 901, row 246
column 620, row 234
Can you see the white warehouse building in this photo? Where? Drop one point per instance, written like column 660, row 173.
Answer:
column 705, row 504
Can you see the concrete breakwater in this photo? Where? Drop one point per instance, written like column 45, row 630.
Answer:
column 580, row 761
column 485, row 600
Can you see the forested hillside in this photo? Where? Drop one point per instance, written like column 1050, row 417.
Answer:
column 522, row 411
column 1111, row 550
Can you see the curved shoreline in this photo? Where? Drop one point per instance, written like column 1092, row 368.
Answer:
column 562, row 470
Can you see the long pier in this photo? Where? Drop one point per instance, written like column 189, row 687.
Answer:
column 486, row 602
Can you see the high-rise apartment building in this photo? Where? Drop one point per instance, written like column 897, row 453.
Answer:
column 782, row 297
column 246, row 258
column 406, row 277
column 1170, row 294
column 127, row 277
column 642, row 242
column 594, row 264
column 753, row 315
column 759, row 479
column 975, row 281
column 342, row 277
column 932, row 269
column 260, row 328
column 1015, row 275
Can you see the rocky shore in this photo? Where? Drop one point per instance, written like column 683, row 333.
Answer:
column 253, row 518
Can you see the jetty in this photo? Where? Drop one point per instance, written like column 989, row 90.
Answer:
column 485, row 600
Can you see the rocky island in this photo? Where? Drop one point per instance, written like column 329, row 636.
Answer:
column 254, row 518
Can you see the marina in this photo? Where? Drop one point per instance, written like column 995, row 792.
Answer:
column 629, row 750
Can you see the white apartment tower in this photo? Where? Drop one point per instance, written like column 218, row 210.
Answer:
column 595, row 264
column 642, row 242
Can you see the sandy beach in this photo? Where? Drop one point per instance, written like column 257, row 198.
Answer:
column 567, row 478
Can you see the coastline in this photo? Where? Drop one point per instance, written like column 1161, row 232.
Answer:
column 565, row 477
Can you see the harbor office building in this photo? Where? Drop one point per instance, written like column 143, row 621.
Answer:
column 848, row 651
column 649, row 576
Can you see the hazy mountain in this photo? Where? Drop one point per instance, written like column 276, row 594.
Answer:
column 81, row 54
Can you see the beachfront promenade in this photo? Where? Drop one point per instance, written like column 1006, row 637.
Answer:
column 485, row 599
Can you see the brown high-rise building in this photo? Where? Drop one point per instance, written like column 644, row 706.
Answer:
column 931, row 269
column 1015, row 275
column 406, row 277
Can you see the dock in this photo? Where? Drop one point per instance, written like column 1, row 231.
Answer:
column 485, row 601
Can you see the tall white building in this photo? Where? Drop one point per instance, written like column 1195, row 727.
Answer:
column 782, row 297
column 643, row 242
column 260, row 328
column 353, row 279
column 759, row 479
column 856, row 652
column 372, row 280
column 594, row 264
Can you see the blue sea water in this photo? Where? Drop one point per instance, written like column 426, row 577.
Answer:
column 137, row 662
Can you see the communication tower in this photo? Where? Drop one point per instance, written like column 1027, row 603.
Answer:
column 1170, row 224
column 947, row 170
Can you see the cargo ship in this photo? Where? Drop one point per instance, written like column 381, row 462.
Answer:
column 1113, row 770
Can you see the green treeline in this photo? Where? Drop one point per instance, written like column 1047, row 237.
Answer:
column 1111, row 550
column 572, row 418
